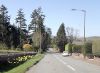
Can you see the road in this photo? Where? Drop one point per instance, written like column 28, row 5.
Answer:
column 55, row 63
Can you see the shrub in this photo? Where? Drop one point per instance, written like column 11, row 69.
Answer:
column 27, row 47
column 55, row 48
column 36, row 48
column 87, row 49
column 3, row 46
column 68, row 48
column 77, row 48
column 96, row 47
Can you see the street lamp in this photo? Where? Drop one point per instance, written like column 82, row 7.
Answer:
column 84, row 11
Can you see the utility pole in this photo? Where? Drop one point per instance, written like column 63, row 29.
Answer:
column 84, row 11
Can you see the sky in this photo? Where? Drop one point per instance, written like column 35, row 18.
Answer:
column 59, row 11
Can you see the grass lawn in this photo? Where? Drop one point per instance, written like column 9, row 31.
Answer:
column 23, row 67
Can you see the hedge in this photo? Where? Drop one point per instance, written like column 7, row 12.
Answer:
column 68, row 47
column 77, row 49
column 87, row 48
column 96, row 47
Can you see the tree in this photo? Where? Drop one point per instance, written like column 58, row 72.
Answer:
column 46, row 39
column 14, row 35
column 4, row 24
column 37, row 26
column 20, row 19
column 49, row 32
column 71, row 34
column 36, row 23
column 4, row 18
column 61, row 38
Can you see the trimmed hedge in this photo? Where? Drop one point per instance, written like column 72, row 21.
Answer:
column 96, row 47
column 77, row 49
column 68, row 47
column 87, row 48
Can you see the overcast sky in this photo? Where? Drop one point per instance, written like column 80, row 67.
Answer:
column 58, row 11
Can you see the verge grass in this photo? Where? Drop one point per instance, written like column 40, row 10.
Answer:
column 25, row 66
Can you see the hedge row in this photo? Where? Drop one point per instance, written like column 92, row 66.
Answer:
column 89, row 48
column 85, row 49
column 77, row 49
column 96, row 47
column 68, row 47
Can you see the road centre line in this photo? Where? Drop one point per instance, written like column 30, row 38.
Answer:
column 69, row 66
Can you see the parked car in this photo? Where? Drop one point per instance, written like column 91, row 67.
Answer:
column 65, row 53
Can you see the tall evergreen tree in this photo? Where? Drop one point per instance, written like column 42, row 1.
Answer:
column 49, row 32
column 20, row 19
column 37, row 20
column 4, row 24
column 61, row 37
column 4, row 18
column 37, row 26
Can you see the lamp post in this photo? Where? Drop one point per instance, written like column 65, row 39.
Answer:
column 84, row 11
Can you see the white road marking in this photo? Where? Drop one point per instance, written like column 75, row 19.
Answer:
column 69, row 66
column 60, row 60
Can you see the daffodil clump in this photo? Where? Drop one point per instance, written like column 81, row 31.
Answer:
column 20, row 59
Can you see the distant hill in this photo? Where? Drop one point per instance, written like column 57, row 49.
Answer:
column 92, row 38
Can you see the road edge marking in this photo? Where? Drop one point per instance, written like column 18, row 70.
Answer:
column 69, row 66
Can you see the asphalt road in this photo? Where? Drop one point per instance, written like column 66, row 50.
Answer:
column 55, row 63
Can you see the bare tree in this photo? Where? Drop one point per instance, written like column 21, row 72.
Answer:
column 72, row 34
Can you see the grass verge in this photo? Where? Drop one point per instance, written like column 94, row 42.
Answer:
column 23, row 67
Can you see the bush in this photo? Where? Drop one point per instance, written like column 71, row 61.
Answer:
column 27, row 47
column 87, row 49
column 36, row 48
column 3, row 46
column 77, row 48
column 96, row 47
column 68, row 48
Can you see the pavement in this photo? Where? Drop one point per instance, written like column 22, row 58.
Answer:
column 56, row 63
